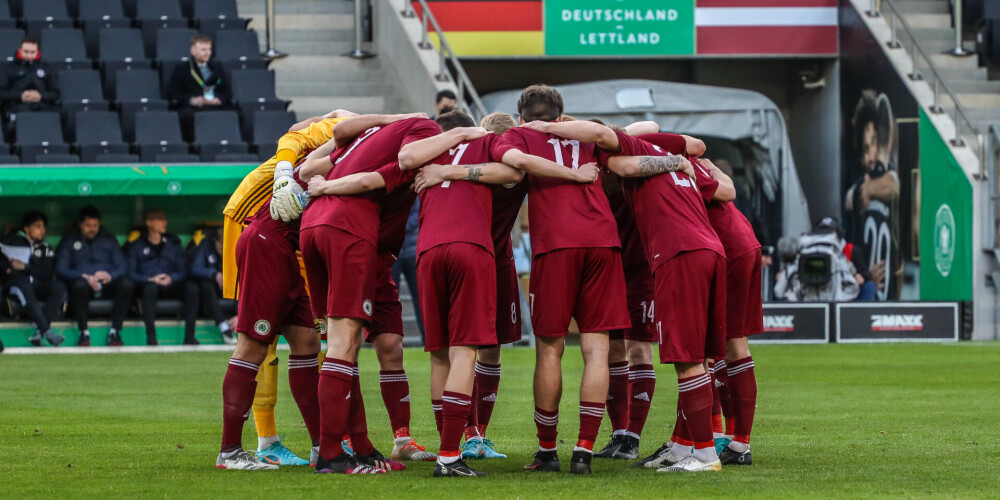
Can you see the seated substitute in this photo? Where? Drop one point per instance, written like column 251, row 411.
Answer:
column 206, row 272
column 28, row 275
column 93, row 266
column 199, row 85
column 158, row 266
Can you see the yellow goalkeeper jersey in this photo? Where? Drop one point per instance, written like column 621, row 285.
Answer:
column 256, row 187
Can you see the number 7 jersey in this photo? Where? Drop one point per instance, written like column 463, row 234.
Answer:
column 564, row 214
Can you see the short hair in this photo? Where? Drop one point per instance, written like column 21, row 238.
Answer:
column 454, row 119
column 540, row 102
column 444, row 94
column 597, row 121
column 88, row 212
column 32, row 217
column 30, row 39
column 199, row 38
column 498, row 122
column 154, row 213
column 617, row 128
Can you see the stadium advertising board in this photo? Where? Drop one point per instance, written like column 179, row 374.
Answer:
column 619, row 27
column 795, row 324
column 897, row 322
column 881, row 165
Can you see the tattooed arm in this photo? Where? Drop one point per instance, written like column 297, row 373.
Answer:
column 484, row 173
column 646, row 166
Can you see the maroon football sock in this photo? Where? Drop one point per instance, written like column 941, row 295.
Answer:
column 716, row 401
column 303, row 379
column 357, row 423
column 617, row 402
column 396, row 396
column 547, row 422
column 642, row 383
column 591, row 413
column 472, row 424
column 455, row 414
column 438, row 418
column 725, row 396
column 487, row 385
column 695, row 400
column 743, row 390
column 334, row 390
column 238, row 388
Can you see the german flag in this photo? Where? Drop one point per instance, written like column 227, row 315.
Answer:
column 489, row 27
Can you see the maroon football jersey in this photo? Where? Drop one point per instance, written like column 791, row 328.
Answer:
column 669, row 209
column 460, row 211
column 507, row 201
column 394, row 209
column 564, row 214
column 733, row 229
column 373, row 149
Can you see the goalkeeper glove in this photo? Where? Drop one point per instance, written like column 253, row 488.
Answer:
column 288, row 199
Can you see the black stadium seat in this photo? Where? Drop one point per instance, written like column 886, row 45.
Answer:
column 238, row 50
column 253, row 91
column 174, row 44
column 56, row 158
column 80, row 91
column 10, row 41
column 64, row 49
column 213, row 16
column 9, row 159
column 235, row 158
column 119, row 158
column 177, row 158
column 16, row 8
column 153, row 15
column 45, row 14
column 267, row 127
column 6, row 20
column 120, row 48
column 135, row 91
column 96, row 15
column 98, row 132
column 158, row 133
column 38, row 134
column 218, row 132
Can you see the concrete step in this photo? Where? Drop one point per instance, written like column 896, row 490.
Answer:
column 923, row 6
column 247, row 8
column 945, row 63
column 980, row 101
column 321, row 22
column 312, row 106
column 318, row 64
column 333, row 49
column 328, row 89
column 963, row 86
column 923, row 21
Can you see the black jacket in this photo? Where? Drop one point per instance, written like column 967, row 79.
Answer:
column 42, row 263
column 146, row 260
column 18, row 76
column 77, row 256
column 183, row 84
column 206, row 261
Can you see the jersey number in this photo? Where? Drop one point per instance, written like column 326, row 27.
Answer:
column 682, row 181
column 457, row 153
column 557, row 146
column 879, row 242
column 368, row 133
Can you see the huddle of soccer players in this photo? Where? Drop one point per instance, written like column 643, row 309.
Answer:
column 649, row 267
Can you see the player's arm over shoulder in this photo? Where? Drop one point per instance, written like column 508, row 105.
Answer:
column 647, row 166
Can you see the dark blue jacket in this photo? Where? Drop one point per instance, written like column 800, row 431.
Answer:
column 206, row 261
column 412, row 225
column 77, row 256
column 146, row 260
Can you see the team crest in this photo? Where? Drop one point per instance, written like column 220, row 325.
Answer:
column 40, row 73
column 262, row 327
column 367, row 307
column 77, row 245
column 211, row 259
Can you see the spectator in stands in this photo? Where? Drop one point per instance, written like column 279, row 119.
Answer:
column 200, row 85
column 92, row 264
column 27, row 84
column 158, row 265
column 444, row 102
column 29, row 276
column 406, row 264
column 206, row 271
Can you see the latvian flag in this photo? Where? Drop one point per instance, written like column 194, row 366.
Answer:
column 766, row 26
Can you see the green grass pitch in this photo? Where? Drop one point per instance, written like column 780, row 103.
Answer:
column 856, row 421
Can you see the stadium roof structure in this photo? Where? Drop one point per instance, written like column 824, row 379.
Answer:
column 699, row 110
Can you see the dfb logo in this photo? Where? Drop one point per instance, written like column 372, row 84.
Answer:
column 773, row 323
column 897, row 322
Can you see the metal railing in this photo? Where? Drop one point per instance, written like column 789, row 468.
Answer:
column 967, row 134
column 990, row 240
column 449, row 67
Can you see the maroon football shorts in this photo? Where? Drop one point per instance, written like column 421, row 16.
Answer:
column 457, row 287
column 639, row 287
column 744, row 307
column 271, row 290
column 340, row 271
column 388, row 316
column 508, row 302
column 583, row 283
column 690, row 307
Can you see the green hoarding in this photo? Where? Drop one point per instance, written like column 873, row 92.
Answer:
column 945, row 220
column 619, row 27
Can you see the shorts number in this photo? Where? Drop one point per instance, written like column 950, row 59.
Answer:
column 513, row 312
column 457, row 153
column 531, row 304
column 368, row 133
column 647, row 313
column 659, row 331
column 558, row 151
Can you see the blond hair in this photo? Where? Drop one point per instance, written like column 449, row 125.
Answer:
column 498, row 122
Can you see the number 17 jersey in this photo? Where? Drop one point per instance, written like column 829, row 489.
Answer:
column 561, row 213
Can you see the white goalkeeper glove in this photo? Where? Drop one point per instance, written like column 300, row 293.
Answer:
column 288, row 199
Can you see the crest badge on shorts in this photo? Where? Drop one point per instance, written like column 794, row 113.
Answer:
column 367, row 307
column 262, row 327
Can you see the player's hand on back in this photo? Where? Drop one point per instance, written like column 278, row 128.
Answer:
column 429, row 176
column 473, row 133
column 687, row 168
column 316, row 185
column 587, row 173
column 408, row 116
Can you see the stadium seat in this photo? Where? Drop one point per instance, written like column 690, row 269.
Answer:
column 98, row 132
column 6, row 20
column 235, row 158
column 56, row 158
column 120, row 48
column 158, row 133
column 218, row 132
column 64, row 49
column 212, row 16
column 39, row 133
column 174, row 44
column 10, row 41
column 238, row 50
column 135, row 91
column 266, row 128
column 9, row 159
column 152, row 15
column 81, row 91
column 96, row 15
column 118, row 158
column 41, row 15
column 177, row 158
column 16, row 8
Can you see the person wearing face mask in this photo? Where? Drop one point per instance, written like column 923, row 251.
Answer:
column 200, row 85
column 27, row 84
